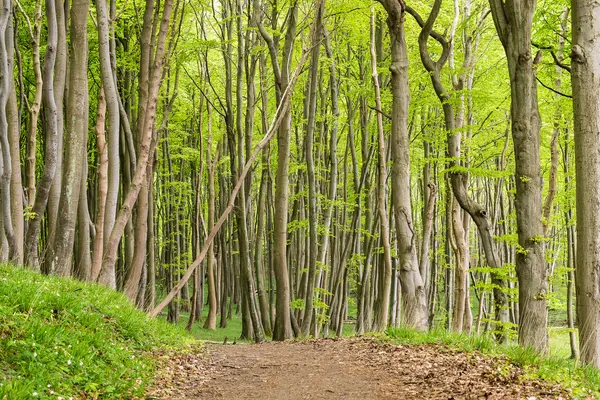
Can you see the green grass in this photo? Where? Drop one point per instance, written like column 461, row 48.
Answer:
column 64, row 338
column 232, row 332
column 582, row 381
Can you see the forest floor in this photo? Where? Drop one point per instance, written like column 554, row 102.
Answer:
column 343, row 369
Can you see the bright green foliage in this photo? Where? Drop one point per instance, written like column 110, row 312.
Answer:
column 61, row 337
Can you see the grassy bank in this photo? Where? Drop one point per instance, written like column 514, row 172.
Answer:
column 61, row 338
column 582, row 381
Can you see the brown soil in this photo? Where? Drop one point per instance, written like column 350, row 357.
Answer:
column 343, row 369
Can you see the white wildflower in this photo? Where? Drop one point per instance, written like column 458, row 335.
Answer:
column 69, row 362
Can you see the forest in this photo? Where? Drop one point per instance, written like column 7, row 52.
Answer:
column 312, row 168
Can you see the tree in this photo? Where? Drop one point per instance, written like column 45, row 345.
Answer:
column 413, row 287
column 454, row 124
column 282, row 329
column 5, row 156
column 310, row 164
column 585, row 65
column 77, row 124
column 513, row 21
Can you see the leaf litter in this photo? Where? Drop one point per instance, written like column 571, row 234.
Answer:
column 349, row 368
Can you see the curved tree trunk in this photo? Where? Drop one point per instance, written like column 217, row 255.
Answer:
column 51, row 151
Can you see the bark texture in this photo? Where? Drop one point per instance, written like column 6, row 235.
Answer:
column 585, row 56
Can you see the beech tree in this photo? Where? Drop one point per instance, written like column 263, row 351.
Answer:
column 513, row 21
column 586, row 116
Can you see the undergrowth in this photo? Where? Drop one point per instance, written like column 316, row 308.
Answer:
column 61, row 338
column 582, row 381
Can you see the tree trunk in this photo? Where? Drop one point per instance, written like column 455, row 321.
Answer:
column 513, row 22
column 51, row 153
column 98, row 241
column 77, row 124
column 385, row 277
column 146, row 151
column 6, row 161
column 310, row 168
column 211, row 318
column 585, row 56
column 60, row 76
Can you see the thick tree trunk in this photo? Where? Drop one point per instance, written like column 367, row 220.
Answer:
column 414, row 296
column 453, row 123
column 585, row 56
column 77, row 124
column 513, row 22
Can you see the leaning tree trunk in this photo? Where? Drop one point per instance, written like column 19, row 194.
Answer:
column 585, row 56
column 145, row 156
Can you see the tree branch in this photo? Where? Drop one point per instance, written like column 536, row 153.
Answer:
column 559, row 63
column 500, row 20
column 552, row 89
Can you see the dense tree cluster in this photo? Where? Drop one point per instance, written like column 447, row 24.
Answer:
column 306, row 163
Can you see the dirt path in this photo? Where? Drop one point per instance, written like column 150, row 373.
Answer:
column 343, row 369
